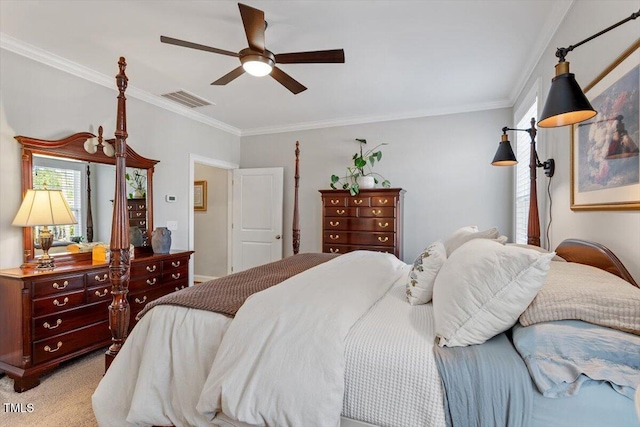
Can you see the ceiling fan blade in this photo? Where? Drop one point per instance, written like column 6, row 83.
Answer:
column 177, row 42
column 254, row 26
column 335, row 56
column 229, row 76
column 287, row 81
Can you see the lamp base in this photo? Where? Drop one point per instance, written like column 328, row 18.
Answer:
column 45, row 264
column 45, row 238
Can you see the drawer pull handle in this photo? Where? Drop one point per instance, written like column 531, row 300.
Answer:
column 129, row 207
column 60, row 304
column 175, row 263
column 143, row 222
column 178, row 288
column 104, row 278
column 141, row 301
column 46, row 325
column 139, row 214
column 175, row 275
column 358, row 201
column 64, row 285
column 151, row 268
column 340, row 211
column 334, row 202
column 381, row 225
column 383, row 239
column 333, row 224
column 334, row 251
column 141, row 207
column 383, row 202
column 152, row 282
column 53, row 350
column 98, row 294
column 376, row 212
column 332, row 237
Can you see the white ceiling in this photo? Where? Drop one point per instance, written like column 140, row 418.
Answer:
column 403, row 58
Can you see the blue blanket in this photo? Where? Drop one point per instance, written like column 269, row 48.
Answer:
column 485, row 385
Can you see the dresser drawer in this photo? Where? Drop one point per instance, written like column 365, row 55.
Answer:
column 54, row 324
column 335, row 201
column 340, row 212
column 375, row 212
column 59, row 285
column 98, row 278
column 100, row 293
column 137, row 214
column 58, row 303
column 141, row 223
column 140, row 300
column 359, row 224
column 359, row 201
column 343, row 249
column 176, row 274
column 60, row 345
column 143, row 269
column 359, row 238
column 383, row 200
column 136, row 205
column 151, row 281
column 171, row 265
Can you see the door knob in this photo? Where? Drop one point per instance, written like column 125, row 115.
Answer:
column 278, row 237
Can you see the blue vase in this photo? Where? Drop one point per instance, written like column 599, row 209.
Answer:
column 161, row 240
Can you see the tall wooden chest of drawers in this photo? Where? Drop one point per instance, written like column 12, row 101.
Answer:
column 138, row 217
column 371, row 220
column 52, row 316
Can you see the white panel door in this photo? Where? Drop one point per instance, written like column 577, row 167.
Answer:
column 257, row 217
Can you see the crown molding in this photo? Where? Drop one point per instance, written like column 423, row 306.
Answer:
column 374, row 119
column 40, row 55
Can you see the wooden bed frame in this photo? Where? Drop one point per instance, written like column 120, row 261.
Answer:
column 573, row 250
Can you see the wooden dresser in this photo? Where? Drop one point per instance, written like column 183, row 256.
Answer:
column 49, row 317
column 138, row 217
column 371, row 220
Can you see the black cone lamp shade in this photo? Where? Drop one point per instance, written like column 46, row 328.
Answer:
column 566, row 103
column 504, row 156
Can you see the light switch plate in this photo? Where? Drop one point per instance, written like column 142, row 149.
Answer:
column 172, row 225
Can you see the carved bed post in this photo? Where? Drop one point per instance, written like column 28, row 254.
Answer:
column 89, row 214
column 533, row 226
column 119, row 264
column 296, row 216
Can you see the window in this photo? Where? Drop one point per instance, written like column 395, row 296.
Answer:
column 68, row 177
column 522, row 148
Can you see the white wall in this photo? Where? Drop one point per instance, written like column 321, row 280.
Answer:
column 211, row 226
column 42, row 102
column 619, row 231
column 443, row 162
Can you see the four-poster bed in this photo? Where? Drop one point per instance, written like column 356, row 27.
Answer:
column 173, row 377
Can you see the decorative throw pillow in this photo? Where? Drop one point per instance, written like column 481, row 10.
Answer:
column 423, row 273
column 539, row 249
column 582, row 292
column 482, row 288
column 464, row 234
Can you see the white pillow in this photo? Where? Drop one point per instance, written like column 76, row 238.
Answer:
column 482, row 288
column 423, row 273
column 464, row 234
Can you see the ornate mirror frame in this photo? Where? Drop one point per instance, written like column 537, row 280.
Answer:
column 72, row 147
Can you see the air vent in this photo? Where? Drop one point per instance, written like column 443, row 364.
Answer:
column 187, row 99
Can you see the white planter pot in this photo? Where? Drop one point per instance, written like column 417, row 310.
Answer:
column 366, row 181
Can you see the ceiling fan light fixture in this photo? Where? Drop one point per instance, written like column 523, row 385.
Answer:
column 256, row 65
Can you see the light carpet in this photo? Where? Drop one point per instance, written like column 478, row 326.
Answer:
column 63, row 397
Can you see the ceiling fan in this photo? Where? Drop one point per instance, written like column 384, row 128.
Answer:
column 256, row 59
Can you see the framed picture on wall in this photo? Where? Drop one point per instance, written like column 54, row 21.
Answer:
column 200, row 195
column 605, row 160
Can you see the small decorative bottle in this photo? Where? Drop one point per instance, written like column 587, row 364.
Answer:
column 161, row 240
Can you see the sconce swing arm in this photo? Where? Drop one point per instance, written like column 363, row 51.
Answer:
column 549, row 166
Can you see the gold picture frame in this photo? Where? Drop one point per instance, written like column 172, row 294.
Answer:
column 605, row 163
column 200, row 195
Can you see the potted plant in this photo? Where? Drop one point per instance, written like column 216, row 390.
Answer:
column 361, row 174
column 138, row 183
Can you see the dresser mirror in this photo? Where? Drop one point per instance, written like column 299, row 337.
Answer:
column 83, row 167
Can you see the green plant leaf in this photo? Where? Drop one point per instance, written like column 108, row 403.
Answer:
column 355, row 156
column 127, row 177
column 345, row 186
column 372, row 160
column 378, row 155
column 375, row 179
column 361, row 141
column 360, row 162
column 332, row 186
column 386, row 184
column 335, row 178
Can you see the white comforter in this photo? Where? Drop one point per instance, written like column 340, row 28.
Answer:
column 281, row 362
column 390, row 377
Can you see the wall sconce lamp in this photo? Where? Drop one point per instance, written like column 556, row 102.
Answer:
column 505, row 157
column 566, row 103
column 92, row 145
column 44, row 208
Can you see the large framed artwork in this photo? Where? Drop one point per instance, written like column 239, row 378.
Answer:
column 605, row 165
column 200, row 195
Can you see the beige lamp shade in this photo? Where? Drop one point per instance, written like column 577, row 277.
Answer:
column 44, row 207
